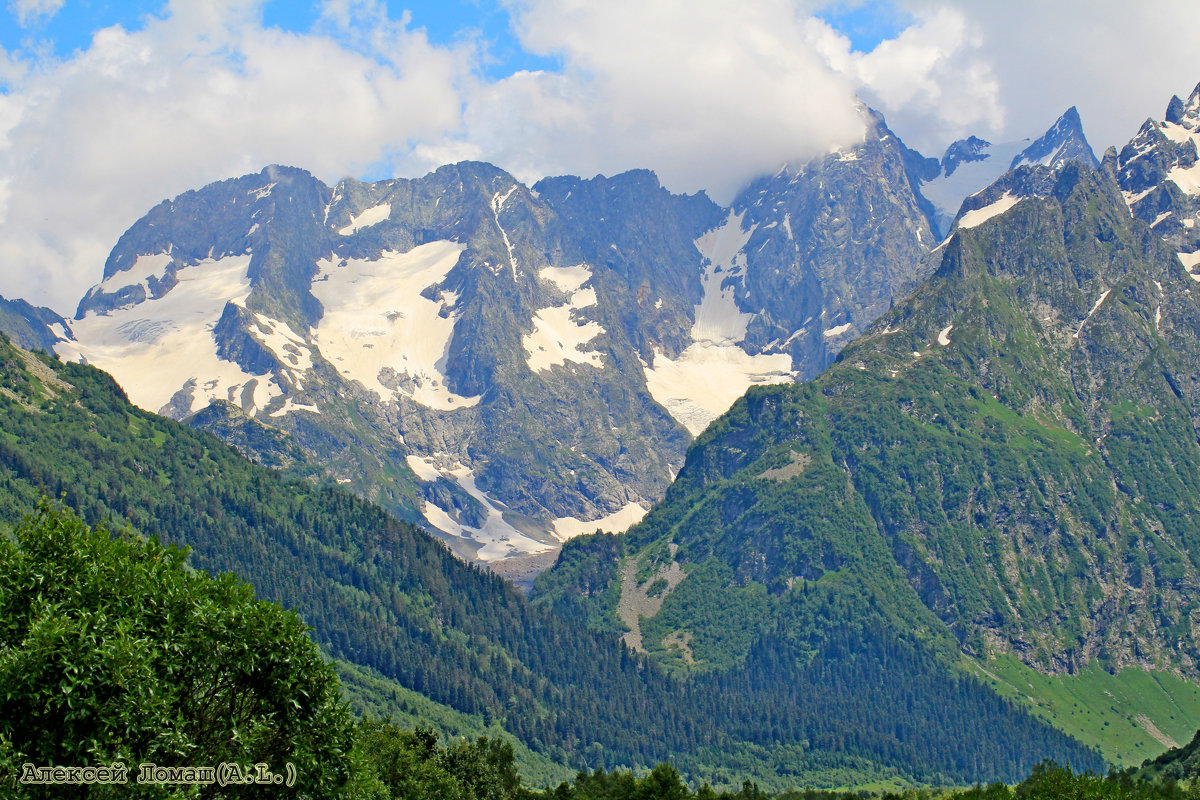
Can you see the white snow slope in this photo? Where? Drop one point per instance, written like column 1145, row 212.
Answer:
column 714, row 371
column 375, row 318
column 156, row 347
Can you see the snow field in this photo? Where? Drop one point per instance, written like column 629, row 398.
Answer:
column 154, row 348
column 557, row 336
column 375, row 317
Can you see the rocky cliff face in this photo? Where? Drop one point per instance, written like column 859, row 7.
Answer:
column 972, row 164
column 1160, row 177
column 513, row 365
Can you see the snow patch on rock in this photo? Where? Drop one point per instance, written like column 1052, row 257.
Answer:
column 718, row 318
column 618, row 521
column 371, row 216
column 558, row 335
column 980, row 215
column 705, row 380
column 161, row 346
column 837, row 330
column 376, row 319
column 290, row 406
column 714, row 371
column 145, row 268
column 499, row 538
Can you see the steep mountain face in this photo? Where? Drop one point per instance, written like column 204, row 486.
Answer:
column 972, row 164
column 829, row 245
column 31, row 326
column 1160, row 177
column 513, row 365
column 1004, row 464
column 440, row 344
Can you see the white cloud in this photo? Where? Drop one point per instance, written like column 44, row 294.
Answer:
column 89, row 144
column 30, row 11
column 1118, row 62
column 705, row 92
column 930, row 77
column 708, row 93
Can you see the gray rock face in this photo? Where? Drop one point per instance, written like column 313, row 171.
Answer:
column 1159, row 176
column 1005, row 462
column 972, row 164
column 513, row 365
column 1060, row 145
column 31, row 327
column 834, row 242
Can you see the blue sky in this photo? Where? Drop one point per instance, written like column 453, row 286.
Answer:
column 445, row 21
column 106, row 108
column 70, row 29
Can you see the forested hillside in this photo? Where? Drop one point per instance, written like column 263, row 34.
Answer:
column 383, row 595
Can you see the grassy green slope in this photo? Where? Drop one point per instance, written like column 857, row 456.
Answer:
column 1129, row 716
column 389, row 601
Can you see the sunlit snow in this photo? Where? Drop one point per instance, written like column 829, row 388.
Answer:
column 718, row 319
column 948, row 192
column 706, row 379
column 618, row 521
column 146, row 267
column 498, row 202
column 837, row 330
column 558, row 337
column 980, row 215
column 1190, row 261
column 375, row 318
column 371, row 216
column 154, row 348
column 259, row 194
column 1186, row 178
column 943, row 337
column 498, row 537
column 1095, row 307
column 285, row 343
column 289, row 406
column 714, row 371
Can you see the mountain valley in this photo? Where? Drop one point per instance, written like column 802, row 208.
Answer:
column 886, row 470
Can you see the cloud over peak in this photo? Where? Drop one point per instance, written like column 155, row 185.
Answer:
column 705, row 92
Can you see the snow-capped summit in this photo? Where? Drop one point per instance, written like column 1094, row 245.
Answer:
column 1159, row 175
column 1064, row 142
column 964, row 150
column 513, row 365
column 972, row 164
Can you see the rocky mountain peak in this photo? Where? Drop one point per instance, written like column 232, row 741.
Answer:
column 1185, row 114
column 1062, row 143
column 964, row 150
column 1159, row 174
column 972, row 164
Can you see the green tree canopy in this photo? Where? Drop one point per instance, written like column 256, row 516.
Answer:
column 112, row 649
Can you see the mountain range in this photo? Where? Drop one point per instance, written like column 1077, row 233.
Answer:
column 1003, row 465
column 510, row 365
column 884, row 419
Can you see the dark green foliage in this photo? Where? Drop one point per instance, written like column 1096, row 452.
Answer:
column 1177, row 764
column 400, row 764
column 111, row 650
column 1006, row 463
column 1047, row 781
